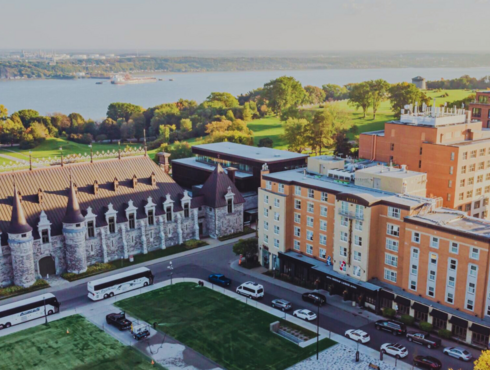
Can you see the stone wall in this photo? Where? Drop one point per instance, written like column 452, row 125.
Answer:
column 229, row 223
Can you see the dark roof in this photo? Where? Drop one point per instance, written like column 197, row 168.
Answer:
column 73, row 215
column 54, row 183
column 18, row 223
column 216, row 187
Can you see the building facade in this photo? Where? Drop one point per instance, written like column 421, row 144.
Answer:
column 66, row 218
column 480, row 108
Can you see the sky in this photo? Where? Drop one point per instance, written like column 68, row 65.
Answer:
column 301, row 25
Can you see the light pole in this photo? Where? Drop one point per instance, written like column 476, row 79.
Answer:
column 45, row 316
column 318, row 302
column 171, row 268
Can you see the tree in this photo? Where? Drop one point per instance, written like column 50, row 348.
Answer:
column 266, row 142
column 294, row 134
column 11, row 131
column 343, row 147
column 247, row 113
column 248, row 248
column 178, row 150
column 314, row 94
column 60, row 121
column 110, row 128
column 360, row 97
column 38, row 131
column 229, row 115
column 379, row 92
column 26, row 115
column 483, row 362
column 3, row 112
column 335, row 92
column 122, row 110
column 283, row 92
column 217, row 126
column 185, row 125
column 224, row 99
column 126, row 129
column 405, row 93
column 166, row 114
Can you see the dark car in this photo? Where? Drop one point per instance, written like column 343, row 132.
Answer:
column 392, row 326
column 427, row 362
column 314, row 297
column 118, row 320
column 219, row 279
column 424, row 339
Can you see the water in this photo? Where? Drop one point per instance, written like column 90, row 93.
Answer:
column 91, row 100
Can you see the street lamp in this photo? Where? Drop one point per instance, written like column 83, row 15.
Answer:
column 45, row 316
column 171, row 268
column 318, row 302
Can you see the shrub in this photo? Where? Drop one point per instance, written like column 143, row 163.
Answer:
column 388, row 312
column 266, row 142
column 101, row 137
column 91, row 270
column 444, row 333
column 425, row 326
column 407, row 319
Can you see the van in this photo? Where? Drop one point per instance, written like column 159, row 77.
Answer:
column 251, row 290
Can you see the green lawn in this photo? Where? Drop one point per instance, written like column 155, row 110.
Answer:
column 229, row 332
column 86, row 347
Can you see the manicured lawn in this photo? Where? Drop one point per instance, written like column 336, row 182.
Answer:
column 231, row 333
column 270, row 127
column 86, row 347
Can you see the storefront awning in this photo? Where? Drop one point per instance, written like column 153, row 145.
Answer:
column 420, row 307
column 439, row 314
column 388, row 295
column 399, row 299
column 459, row 322
column 480, row 329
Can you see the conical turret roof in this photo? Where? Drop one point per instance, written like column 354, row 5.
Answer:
column 18, row 223
column 73, row 214
column 216, row 187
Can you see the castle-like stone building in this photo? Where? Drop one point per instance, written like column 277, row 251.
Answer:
column 66, row 218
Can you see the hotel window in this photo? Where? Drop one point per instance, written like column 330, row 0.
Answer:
column 475, row 253
column 266, row 239
column 358, row 240
column 432, row 275
column 392, row 245
column 478, row 191
column 131, row 221
column 481, row 166
column 91, row 229
column 297, row 245
column 280, row 188
column 479, row 178
column 434, row 242
column 311, row 208
column 413, row 285
column 268, row 185
column 487, row 189
column 454, row 248
column 450, row 298
column 266, row 225
column 390, row 275
column 469, row 304
column 453, row 264
column 276, row 243
column 473, row 270
column 343, row 252
column 471, row 288
column 266, row 212
column 420, row 151
column 473, row 154
column 487, row 176
column 323, row 211
column 431, row 291
column 276, row 202
column 297, row 204
column 276, row 229
column 469, row 194
column 112, row 225
column 465, row 155
column 414, row 269
column 323, row 239
column 297, row 231
column 448, row 196
column 276, row 216
column 309, row 221
column 472, row 168
column 450, row 184
column 391, row 260
column 297, row 190
column 433, row 258
column 415, row 253
column 344, row 236
column 420, row 163
column 309, row 235
column 461, row 196
column 297, row 218
column 266, row 199
column 309, row 249
column 451, row 281
column 323, row 225
column 392, row 146
column 471, row 180
column 359, row 211
column 461, row 183
column 323, row 253
column 452, row 156
column 415, row 237
column 311, row 193
column 451, row 170
column 394, row 212
column 358, row 225
column 45, row 236
column 344, row 221
column 344, row 206
column 463, row 169
column 393, row 230
column 229, row 203
column 482, row 151
column 476, row 112
column 357, row 256
column 324, row 197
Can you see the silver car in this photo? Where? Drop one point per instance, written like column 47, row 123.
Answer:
column 281, row 304
column 458, row 352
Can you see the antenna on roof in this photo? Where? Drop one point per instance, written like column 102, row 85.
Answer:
column 91, row 154
column 30, row 160
column 144, row 140
column 61, row 151
column 119, row 148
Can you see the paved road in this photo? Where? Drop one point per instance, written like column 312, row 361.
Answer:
column 200, row 265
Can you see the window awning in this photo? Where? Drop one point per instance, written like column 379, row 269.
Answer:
column 459, row 322
column 439, row 314
column 480, row 329
column 420, row 307
column 404, row 301
column 385, row 294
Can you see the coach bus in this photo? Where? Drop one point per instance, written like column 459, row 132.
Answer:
column 28, row 309
column 119, row 283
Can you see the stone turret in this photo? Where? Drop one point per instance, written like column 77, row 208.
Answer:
column 74, row 231
column 20, row 241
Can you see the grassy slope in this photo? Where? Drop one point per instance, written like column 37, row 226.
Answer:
column 231, row 333
column 85, row 348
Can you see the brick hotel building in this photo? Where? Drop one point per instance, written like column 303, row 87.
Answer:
column 372, row 235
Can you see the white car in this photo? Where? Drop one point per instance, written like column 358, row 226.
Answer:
column 395, row 350
column 358, row 335
column 457, row 352
column 305, row 314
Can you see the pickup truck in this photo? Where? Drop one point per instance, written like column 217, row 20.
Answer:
column 118, row 320
column 424, row 339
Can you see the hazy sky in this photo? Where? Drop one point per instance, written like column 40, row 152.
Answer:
column 430, row 25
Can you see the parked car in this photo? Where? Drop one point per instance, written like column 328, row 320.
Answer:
column 251, row 290
column 392, row 326
column 427, row 362
column 458, row 352
column 281, row 304
column 305, row 314
column 395, row 350
column 219, row 279
column 358, row 335
column 424, row 339
column 118, row 320
column 140, row 332
column 314, row 297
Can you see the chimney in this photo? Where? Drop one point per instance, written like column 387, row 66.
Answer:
column 163, row 161
column 96, row 187
column 153, row 179
column 231, row 173
column 116, row 183
column 40, row 196
column 404, row 168
column 135, row 181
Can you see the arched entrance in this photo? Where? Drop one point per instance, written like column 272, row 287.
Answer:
column 47, row 266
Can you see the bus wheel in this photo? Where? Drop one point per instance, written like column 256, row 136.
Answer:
column 1, row 326
column 106, row 296
column 50, row 312
column 8, row 325
column 145, row 284
column 111, row 295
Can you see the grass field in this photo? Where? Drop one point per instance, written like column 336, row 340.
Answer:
column 86, row 347
column 229, row 332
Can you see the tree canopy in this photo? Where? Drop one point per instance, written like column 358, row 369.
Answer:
column 122, row 110
column 246, row 247
column 284, row 92
column 360, row 97
column 405, row 93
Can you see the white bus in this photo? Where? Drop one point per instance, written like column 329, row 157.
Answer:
column 119, row 283
column 28, row 309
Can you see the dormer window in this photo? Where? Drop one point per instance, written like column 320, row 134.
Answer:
column 45, row 236
column 112, row 225
column 131, row 221
column 168, row 211
column 186, row 210
column 230, row 205
column 151, row 217
column 229, row 196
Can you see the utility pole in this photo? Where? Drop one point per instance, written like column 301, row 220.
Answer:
column 171, row 268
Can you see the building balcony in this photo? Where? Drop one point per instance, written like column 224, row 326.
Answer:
column 353, row 215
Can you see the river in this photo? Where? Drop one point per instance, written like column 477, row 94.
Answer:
column 90, row 100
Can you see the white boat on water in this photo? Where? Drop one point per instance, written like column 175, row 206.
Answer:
column 127, row 79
